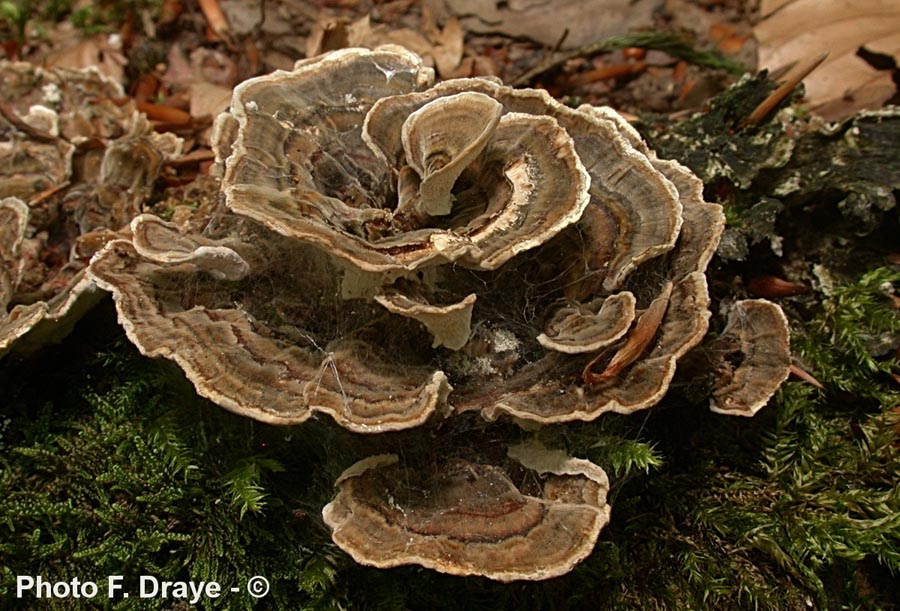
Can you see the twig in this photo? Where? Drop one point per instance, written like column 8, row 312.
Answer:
column 546, row 63
column 258, row 26
column 794, row 76
column 607, row 72
column 674, row 45
column 778, row 73
column 34, row 133
column 166, row 114
column 47, row 193
column 194, row 157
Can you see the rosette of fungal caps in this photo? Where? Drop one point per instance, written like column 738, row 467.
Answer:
column 396, row 251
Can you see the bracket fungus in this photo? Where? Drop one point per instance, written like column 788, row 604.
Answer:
column 390, row 250
column 450, row 211
column 470, row 518
column 757, row 334
column 81, row 160
column 186, row 297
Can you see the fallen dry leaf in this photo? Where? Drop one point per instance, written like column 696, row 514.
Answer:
column 442, row 48
column 104, row 51
column 215, row 67
column 204, row 81
column 208, row 100
column 361, row 33
column 447, row 48
column 178, row 68
column 546, row 21
column 216, row 19
column 329, row 34
column 793, row 30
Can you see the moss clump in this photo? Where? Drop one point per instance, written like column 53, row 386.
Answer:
column 111, row 466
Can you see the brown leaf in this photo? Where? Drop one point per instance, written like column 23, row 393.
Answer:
column 440, row 47
column 607, row 72
column 327, row 35
column 214, row 66
column 101, row 50
column 794, row 29
column 546, row 21
column 448, row 47
column 208, row 99
column 361, row 33
column 216, row 19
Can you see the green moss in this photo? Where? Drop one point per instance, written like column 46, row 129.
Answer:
column 132, row 475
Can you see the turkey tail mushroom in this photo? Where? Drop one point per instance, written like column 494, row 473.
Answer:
column 467, row 517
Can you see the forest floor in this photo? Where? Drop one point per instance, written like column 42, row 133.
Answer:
column 110, row 464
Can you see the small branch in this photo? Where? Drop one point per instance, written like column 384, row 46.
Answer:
column 794, row 76
column 674, row 45
column 257, row 28
column 34, row 133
